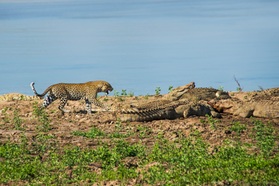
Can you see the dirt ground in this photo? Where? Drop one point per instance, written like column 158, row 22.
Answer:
column 21, row 120
column 16, row 109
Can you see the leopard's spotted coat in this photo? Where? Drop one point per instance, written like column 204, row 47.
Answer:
column 74, row 91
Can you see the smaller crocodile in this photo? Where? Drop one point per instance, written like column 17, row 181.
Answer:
column 263, row 104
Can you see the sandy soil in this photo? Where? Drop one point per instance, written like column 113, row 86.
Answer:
column 19, row 109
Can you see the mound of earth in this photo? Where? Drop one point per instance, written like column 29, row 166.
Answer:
column 17, row 109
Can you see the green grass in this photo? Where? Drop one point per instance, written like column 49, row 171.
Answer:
column 17, row 120
column 264, row 134
column 211, row 121
column 5, row 117
column 93, row 133
column 158, row 91
column 42, row 117
column 238, row 127
column 184, row 161
column 123, row 93
column 97, row 133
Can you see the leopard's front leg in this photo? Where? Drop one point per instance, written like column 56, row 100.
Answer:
column 98, row 103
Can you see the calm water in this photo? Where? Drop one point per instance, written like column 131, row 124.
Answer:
column 139, row 45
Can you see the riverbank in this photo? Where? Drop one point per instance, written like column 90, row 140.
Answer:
column 43, row 147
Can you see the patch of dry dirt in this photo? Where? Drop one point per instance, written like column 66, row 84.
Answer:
column 21, row 112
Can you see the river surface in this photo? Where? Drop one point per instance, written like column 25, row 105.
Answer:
column 139, row 45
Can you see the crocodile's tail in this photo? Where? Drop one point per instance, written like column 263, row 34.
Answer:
column 157, row 110
column 141, row 115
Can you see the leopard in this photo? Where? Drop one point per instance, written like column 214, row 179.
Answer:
column 74, row 91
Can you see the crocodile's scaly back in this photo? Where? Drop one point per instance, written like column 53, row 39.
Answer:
column 265, row 94
column 162, row 109
column 206, row 94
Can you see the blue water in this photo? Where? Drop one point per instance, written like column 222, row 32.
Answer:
column 139, row 45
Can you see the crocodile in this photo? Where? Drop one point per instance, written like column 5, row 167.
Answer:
column 183, row 101
column 263, row 104
column 186, row 101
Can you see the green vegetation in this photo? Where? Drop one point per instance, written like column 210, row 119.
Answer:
column 123, row 93
column 17, row 120
column 265, row 137
column 5, row 117
column 187, row 160
column 170, row 88
column 221, row 88
column 93, row 133
column 210, row 120
column 42, row 116
column 158, row 91
column 238, row 127
column 116, row 93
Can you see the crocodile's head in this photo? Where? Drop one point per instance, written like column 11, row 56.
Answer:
column 176, row 93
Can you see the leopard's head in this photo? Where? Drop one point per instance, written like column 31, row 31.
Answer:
column 105, row 87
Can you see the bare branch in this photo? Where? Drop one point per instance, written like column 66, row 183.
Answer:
column 239, row 88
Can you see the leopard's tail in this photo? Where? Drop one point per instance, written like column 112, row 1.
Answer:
column 36, row 93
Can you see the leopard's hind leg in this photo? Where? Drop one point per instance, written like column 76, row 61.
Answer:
column 48, row 100
column 88, row 106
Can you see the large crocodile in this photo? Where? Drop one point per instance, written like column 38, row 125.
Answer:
column 185, row 101
column 182, row 101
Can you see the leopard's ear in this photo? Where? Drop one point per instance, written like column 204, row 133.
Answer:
column 100, row 85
